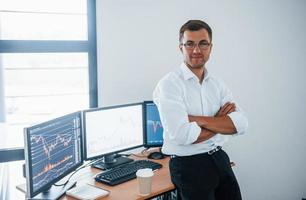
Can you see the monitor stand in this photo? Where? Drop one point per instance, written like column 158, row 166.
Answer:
column 111, row 161
column 55, row 192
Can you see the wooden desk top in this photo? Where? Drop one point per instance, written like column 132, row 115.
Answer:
column 161, row 183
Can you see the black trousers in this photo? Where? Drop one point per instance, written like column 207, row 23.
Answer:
column 204, row 177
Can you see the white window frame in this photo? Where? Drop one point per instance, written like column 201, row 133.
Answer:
column 50, row 46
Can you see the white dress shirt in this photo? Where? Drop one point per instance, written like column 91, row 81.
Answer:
column 180, row 94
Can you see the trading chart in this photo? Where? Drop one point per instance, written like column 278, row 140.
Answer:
column 154, row 126
column 113, row 129
column 54, row 150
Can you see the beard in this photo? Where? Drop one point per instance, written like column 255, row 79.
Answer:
column 195, row 63
column 194, row 66
column 197, row 66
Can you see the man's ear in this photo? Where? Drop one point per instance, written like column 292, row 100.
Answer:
column 181, row 47
column 211, row 45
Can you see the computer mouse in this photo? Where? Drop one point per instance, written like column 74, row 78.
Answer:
column 156, row 155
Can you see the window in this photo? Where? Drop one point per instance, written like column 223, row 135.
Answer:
column 43, row 20
column 47, row 69
column 47, row 62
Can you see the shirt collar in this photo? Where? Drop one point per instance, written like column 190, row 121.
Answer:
column 188, row 74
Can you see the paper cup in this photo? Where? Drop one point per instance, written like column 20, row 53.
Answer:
column 144, row 177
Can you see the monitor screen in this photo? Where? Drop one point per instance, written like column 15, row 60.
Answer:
column 153, row 135
column 112, row 129
column 52, row 150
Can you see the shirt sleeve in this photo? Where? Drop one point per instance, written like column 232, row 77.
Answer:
column 238, row 117
column 168, row 97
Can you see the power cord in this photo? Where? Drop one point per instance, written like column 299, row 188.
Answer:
column 78, row 169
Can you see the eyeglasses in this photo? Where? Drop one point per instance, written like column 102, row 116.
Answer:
column 202, row 45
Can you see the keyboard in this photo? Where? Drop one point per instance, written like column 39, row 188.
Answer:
column 125, row 172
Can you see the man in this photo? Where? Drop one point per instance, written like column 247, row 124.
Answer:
column 198, row 116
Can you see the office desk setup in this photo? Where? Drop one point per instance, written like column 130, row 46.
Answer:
column 161, row 183
column 60, row 146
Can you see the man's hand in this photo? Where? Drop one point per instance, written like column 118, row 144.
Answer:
column 226, row 109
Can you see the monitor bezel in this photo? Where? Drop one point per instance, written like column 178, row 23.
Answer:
column 28, row 166
column 107, row 108
column 145, row 136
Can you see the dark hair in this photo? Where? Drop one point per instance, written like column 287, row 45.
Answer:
column 195, row 25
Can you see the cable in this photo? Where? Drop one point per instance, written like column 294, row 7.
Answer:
column 144, row 151
column 144, row 156
column 83, row 166
column 126, row 155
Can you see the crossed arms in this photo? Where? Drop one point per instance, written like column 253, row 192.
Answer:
column 220, row 123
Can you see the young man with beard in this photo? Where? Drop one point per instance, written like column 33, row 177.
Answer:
column 199, row 115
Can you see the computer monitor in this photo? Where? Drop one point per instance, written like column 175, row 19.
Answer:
column 153, row 134
column 110, row 130
column 53, row 149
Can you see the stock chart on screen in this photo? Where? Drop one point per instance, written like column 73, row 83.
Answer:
column 154, row 128
column 113, row 129
column 54, row 148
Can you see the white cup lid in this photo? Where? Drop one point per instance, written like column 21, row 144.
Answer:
column 146, row 172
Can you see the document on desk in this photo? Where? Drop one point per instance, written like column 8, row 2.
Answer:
column 87, row 192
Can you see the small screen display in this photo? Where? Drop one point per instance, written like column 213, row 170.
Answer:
column 154, row 128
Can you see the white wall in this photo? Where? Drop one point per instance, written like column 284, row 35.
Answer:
column 259, row 50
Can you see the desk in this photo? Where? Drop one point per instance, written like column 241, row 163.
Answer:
column 161, row 183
